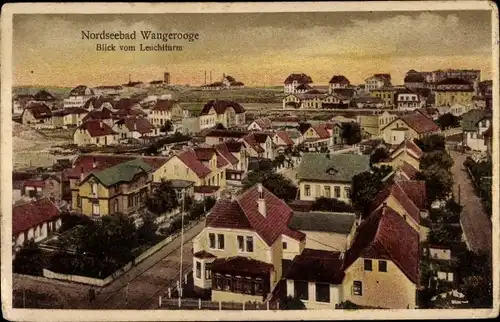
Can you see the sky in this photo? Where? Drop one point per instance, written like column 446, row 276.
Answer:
column 259, row 49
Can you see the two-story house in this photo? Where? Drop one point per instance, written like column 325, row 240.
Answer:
column 165, row 110
column 407, row 100
column 78, row 96
column 387, row 94
column 37, row 115
column 44, row 97
column 377, row 81
column 329, row 176
column 227, row 113
column 474, row 124
column 453, row 90
column 68, row 117
column 372, row 123
column 318, row 136
column 282, row 139
column 295, row 80
column 215, row 136
column 337, row 81
column 134, row 128
column 122, row 188
column 410, row 126
column 239, row 253
column 259, row 144
column 94, row 132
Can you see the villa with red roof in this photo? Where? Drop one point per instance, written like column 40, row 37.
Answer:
column 35, row 220
column 259, row 144
column 94, row 132
column 409, row 126
column 134, row 128
column 227, row 113
column 282, row 139
column 238, row 254
column 323, row 135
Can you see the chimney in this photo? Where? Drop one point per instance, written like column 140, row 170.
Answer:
column 100, row 125
column 82, row 175
column 94, row 164
column 261, row 201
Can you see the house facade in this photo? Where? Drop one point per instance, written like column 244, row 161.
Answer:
column 94, row 132
column 387, row 94
column 410, row 126
column 227, row 113
column 453, row 90
column 295, row 80
column 474, row 124
column 78, row 96
column 164, row 111
column 337, row 81
column 37, row 115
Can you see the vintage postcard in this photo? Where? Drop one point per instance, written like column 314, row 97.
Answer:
column 249, row 161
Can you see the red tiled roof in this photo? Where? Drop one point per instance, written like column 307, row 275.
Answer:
column 321, row 130
column 336, row 79
column 395, row 190
column 250, row 139
column 234, row 146
column 39, row 110
column 385, row 235
column 97, row 102
column 240, row 265
column 415, row 190
column 204, row 154
column 409, row 170
column 220, row 107
column 419, row 123
column 206, row 189
column 96, row 128
column 203, row 254
column 98, row 115
column 164, row 105
column 243, row 213
column 283, row 135
column 28, row 215
column 317, row 266
column 410, row 146
column 226, row 133
column 139, row 124
column 224, row 152
column 264, row 123
column 191, row 161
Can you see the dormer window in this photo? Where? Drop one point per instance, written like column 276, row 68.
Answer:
column 332, row 171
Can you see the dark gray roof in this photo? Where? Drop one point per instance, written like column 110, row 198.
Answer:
column 336, row 168
column 340, row 223
column 472, row 117
column 181, row 183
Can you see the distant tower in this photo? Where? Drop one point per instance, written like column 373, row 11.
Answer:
column 129, row 78
column 210, row 77
column 205, row 78
column 166, row 78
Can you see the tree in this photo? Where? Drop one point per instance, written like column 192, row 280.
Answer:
column 167, row 127
column 347, row 305
column 351, row 133
column 366, row 185
column 330, row 204
column 279, row 160
column 292, row 303
column 441, row 235
column 163, row 199
column 146, row 233
column 431, row 143
column 379, row 154
column 438, row 183
column 439, row 158
column 29, row 260
column 277, row 184
column 475, row 278
column 448, row 120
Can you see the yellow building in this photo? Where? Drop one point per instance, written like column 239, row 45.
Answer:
column 329, row 176
column 372, row 123
column 386, row 94
column 163, row 111
column 382, row 265
column 227, row 113
column 238, row 255
column 451, row 91
column 409, row 126
column 122, row 188
column 407, row 151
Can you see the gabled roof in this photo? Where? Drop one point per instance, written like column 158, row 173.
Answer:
column 44, row 95
column 28, row 215
column 395, row 189
column 340, row 223
column 98, row 115
column 409, row 170
column 254, row 140
column 39, row 110
column 339, row 79
column 243, row 213
column 124, row 104
column 190, row 159
column 454, row 81
column 336, row 168
column 409, row 146
column 220, row 107
column 96, row 128
column 139, row 124
column 418, row 122
column 122, row 172
column 264, row 123
column 300, row 78
column 285, row 137
column 80, row 91
column 164, row 105
column 68, row 111
column 386, row 235
column 224, row 152
column 414, row 78
column 97, row 102
column 471, row 119
column 234, row 146
column 319, row 266
column 321, row 130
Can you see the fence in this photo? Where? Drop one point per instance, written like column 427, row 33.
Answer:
column 199, row 304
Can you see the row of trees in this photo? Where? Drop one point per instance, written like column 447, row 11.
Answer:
column 482, row 173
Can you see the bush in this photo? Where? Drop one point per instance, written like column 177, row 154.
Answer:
column 30, row 260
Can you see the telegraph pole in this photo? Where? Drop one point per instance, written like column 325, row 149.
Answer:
column 182, row 243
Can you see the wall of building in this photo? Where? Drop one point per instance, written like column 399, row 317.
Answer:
column 318, row 190
column 312, row 303
column 451, row 97
column 328, row 241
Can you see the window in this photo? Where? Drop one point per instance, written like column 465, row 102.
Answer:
column 357, row 288
column 284, row 245
column 347, row 191
column 249, row 244
column 307, row 190
column 241, row 246
column 368, row 264
column 258, row 286
column 217, row 282
column 198, row 270
column 95, row 209
column 301, row 290
column 382, row 266
column 208, row 271
column 337, row 191
column 211, row 238
column 220, row 241
column 323, row 292
column 79, row 202
column 327, row 192
column 227, row 283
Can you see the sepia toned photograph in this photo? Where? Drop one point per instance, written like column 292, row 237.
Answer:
column 235, row 161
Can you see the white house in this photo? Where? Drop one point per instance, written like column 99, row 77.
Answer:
column 78, row 96
column 408, row 101
column 337, row 81
column 94, row 132
column 134, row 128
column 295, row 80
column 474, row 124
